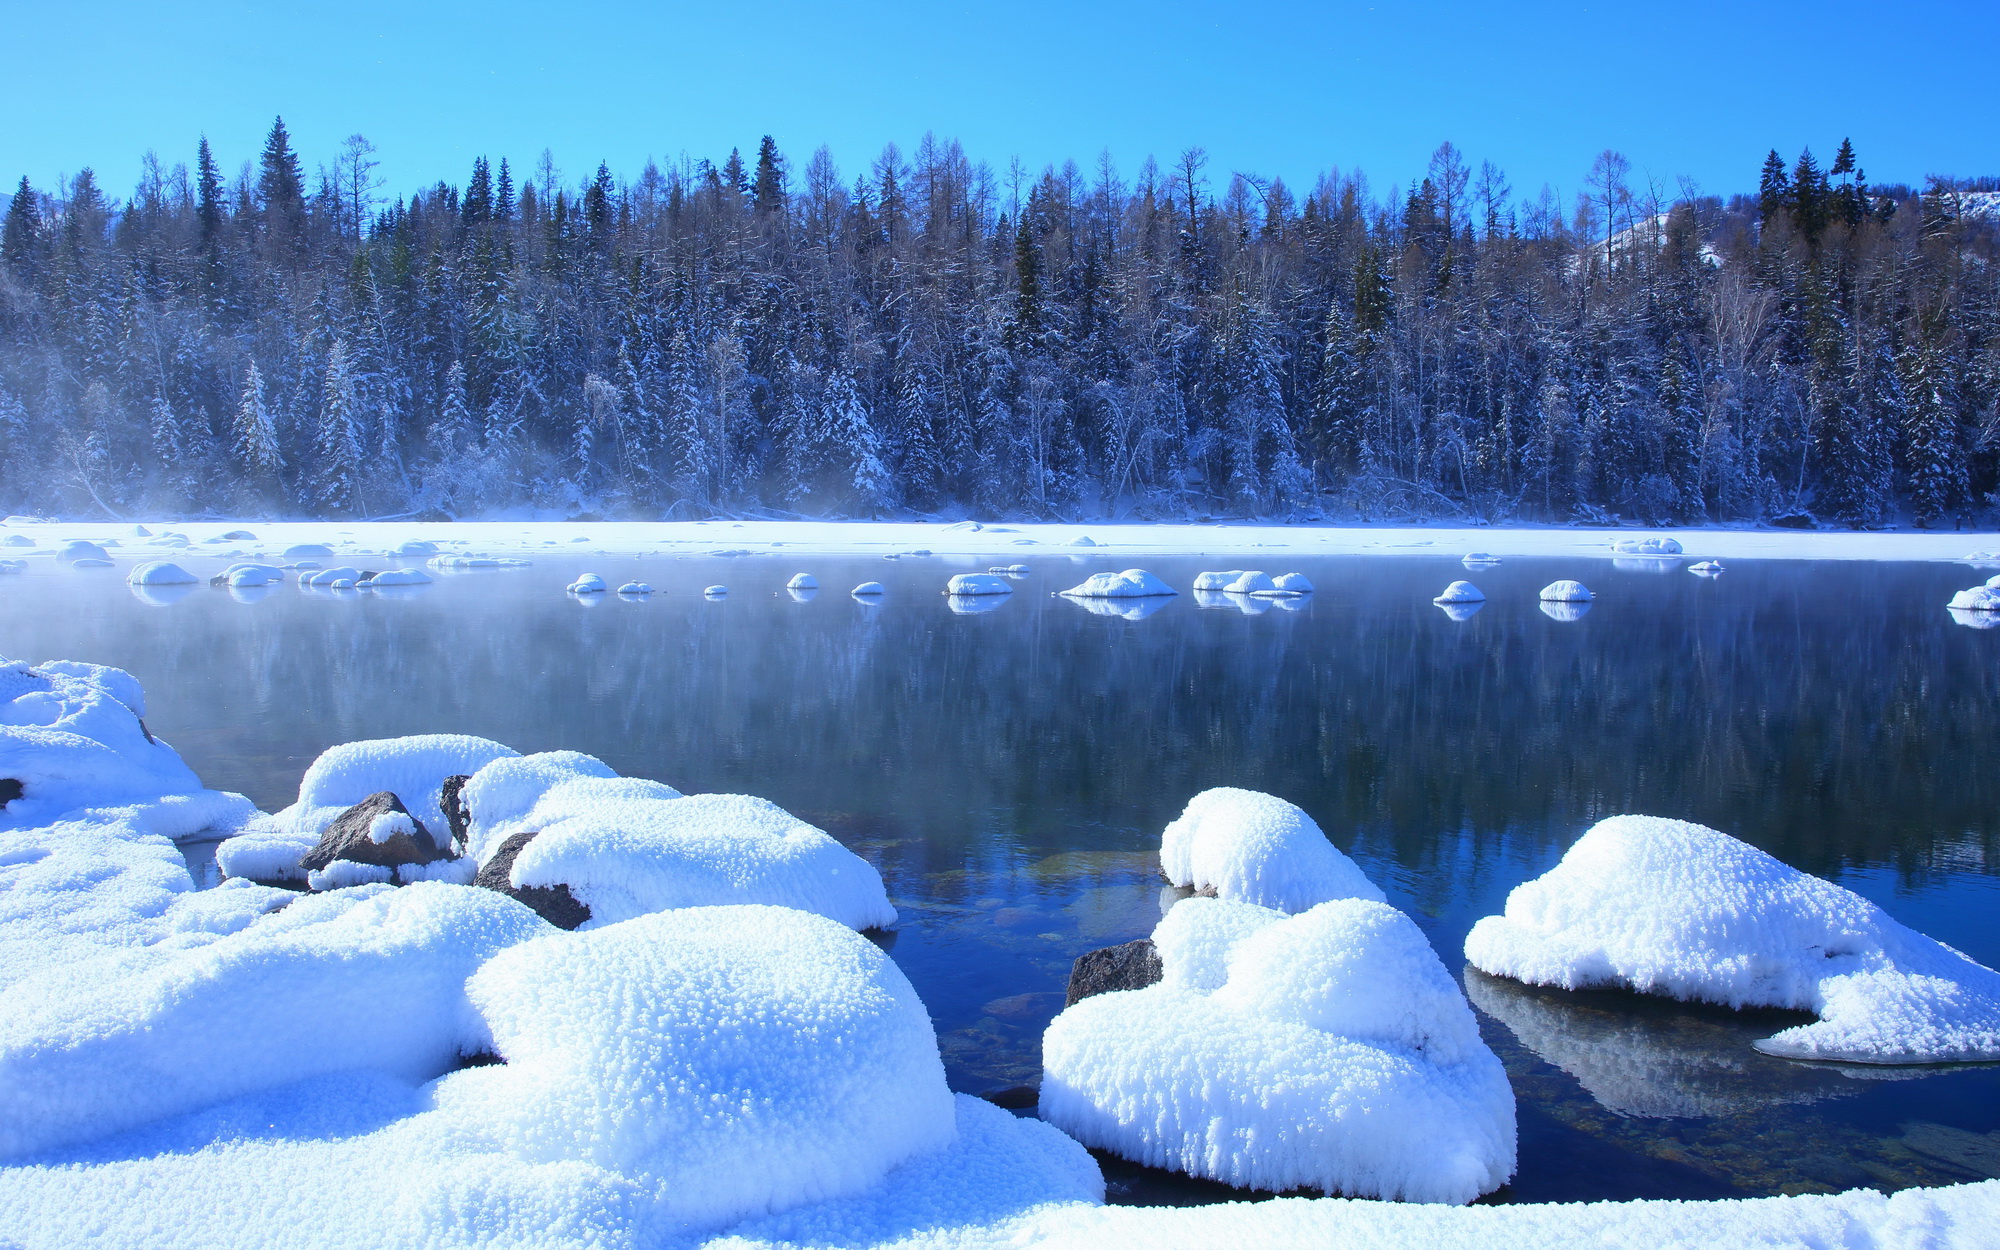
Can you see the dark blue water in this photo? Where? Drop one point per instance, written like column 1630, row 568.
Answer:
column 1009, row 772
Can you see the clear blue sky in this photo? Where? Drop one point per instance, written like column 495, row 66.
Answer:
column 1698, row 89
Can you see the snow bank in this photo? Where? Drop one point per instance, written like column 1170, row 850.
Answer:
column 627, row 847
column 978, row 584
column 412, row 768
column 1259, row 849
column 1565, row 592
column 1132, row 583
column 1328, row 1050
column 1666, row 907
column 1647, row 547
column 1977, row 599
column 332, row 982
column 160, row 573
column 1460, row 592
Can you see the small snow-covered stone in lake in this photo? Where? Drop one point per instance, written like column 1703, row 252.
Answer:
column 868, row 590
column 1705, row 568
column 1565, row 592
column 251, row 575
column 17, row 540
column 1292, row 584
column 1328, row 1050
column 1460, row 592
column 1217, row 580
column 1977, row 599
column 399, row 577
column 78, row 549
column 161, row 573
column 308, row 551
column 1082, row 540
column 1251, row 582
column 588, row 584
column 1477, row 558
column 1018, row 570
column 1647, row 547
column 715, row 592
column 635, row 588
column 13, row 566
column 1667, row 907
column 327, row 577
column 978, row 584
column 1257, row 848
column 1132, row 583
column 802, row 581
column 416, row 547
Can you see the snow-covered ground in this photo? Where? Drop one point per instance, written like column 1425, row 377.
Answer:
column 964, row 538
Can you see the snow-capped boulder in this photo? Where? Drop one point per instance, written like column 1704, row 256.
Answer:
column 635, row 588
column 588, row 584
column 978, row 584
column 1705, row 568
column 13, row 566
column 328, row 579
column 802, row 581
column 416, row 547
column 1977, row 599
column 553, row 903
column 1130, row 966
column 78, row 549
column 497, row 798
column 249, row 575
column 785, row 1060
column 17, row 540
column 398, row 577
column 1130, row 584
column 1478, row 559
column 868, row 590
column 307, row 551
column 1251, row 582
column 715, row 592
column 1257, row 848
column 1647, row 547
column 1460, row 592
column 1328, row 1050
column 235, row 536
column 1565, row 592
column 161, row 573
column 1667, row 907
column 1292, row 584
column 1082, row 540
column 378, row 831
column 1218, row 580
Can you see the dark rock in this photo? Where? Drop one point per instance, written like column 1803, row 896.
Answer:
column 1133, row 966
column 10, row 789
column 1795, row 521
column 553, row 903
column 1014, row 1097
column 347, row 838
column 239, row 536
column 456, row 813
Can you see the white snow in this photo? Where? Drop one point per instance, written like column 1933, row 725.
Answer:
column 1667, row 907
column 329, row 577
column 1328, row 1050
column 342, row 874
column 502, row 792
column 307, row 551
column 78, row 549
column 1130, row 584
column 635, row 588
column 1705, row 568
column 1647, row 547
column 1257, row 848
column 716, row 592
column 1565, row 592
column 867, row 590
column 802, row 581
column 411, row 768
column 252, row 574
column 1460, row 592
column 160, row 573
column 1218, row 580
column 1292, row 584
column 587, row 584
column 1251, row 582
column 399, row 577
column 978, row 584
column 1977, row 599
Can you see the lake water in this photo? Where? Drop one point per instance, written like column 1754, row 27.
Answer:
column 1009, row 772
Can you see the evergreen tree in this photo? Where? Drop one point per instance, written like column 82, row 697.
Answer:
column 20, row 234
column 503, row 196
column 1774, row 189
column 454, row 431
column 281, row 186
column 208, row 197
column 477, row 206
column 336, row 464
column 768, row 192
column 847, row 426
column 1933, row 458
column 254, row 436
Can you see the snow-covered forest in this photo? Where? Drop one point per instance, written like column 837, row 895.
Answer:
column 932, row 335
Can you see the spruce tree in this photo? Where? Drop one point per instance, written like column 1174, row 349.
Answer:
column 22, row 231
column 1932, row 457
column 336, row 464
column 1774, row 189
column 281, row 185
column 208, row 197
column 768, row 191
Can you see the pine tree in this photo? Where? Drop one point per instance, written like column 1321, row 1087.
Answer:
column 1774, row 189
column 1334, row 435
column 1811, row 196
column 208, row 197
column 454, row 431
column 254, row 436
column 768, row 192
column 600, row 204
column 477, row 206
column 281, row 186
column 19, row 236
column 1933, row 458
column 503, row 196
column 336, row 466
column 847, row 426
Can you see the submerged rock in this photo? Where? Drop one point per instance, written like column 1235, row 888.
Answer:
column 378, row 831
column 1133, row 966
column 553, row 903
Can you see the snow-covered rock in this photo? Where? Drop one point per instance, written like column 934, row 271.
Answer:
column 327, row 578
column 17, row 540
column 1667, row 907
column 160, row 573
column 1082, row 540
column 499, row 795
column 78, row 549
column 1647, row 547
column 252, row 575
column 1479, row 559
column 1251, row 582
column 1705, row 568
column 13, row 566
column 1130, row 584
column 802, row 581
column 307, row 551
column 1328, row 1050
column 1217, row 580
column 398, row 577
column 588, row 584
column 416, row 547
column 1257, row 848
column 1977, row 599
column 1460, row 592
column 412, row 768
column 868, row 590
column 715, row 592
column 346, row 980
column 1565, row 592
column 1292, row 584
column 978, row 584
column 635, row 588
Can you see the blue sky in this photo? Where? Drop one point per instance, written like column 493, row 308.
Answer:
column 1683, row 89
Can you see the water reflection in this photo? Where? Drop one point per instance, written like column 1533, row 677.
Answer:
column 1461, row 611
column 1130, row 609
column 1646, row 564
column 165, row 595
column 973, row 605
column 1565, row 611
column 805, row 594
column 1973, row 619
column 1248, row 605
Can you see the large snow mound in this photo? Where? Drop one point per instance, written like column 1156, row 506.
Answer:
column 626, row 847
column 160, row 573
column 1259, row 849
column 1984, row 598
column 1565, row 592
column 978, row 584
column 1335, row 1053
column 502, row 793
column 1460, row 592
column 1132, row 583
column 412, row 768
column 346, row 980
column 1667, row 907
column 1647, row 547
column 756, row 1058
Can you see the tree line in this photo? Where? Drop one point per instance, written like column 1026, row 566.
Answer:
column 937, row 337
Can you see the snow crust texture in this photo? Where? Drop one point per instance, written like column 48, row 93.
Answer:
column 1667, row 907
column 1257, row 848
column 1328, row 1050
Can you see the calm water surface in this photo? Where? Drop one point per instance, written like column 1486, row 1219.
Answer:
column 1009, row 771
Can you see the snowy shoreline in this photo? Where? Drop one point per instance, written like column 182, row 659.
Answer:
column 887, row 538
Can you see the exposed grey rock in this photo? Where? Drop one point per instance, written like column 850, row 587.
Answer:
column 1133, row 966
column 456, row 813
column 348, row 838
column 10, row 789
column 553, row 903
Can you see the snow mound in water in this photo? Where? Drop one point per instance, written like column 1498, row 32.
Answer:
column 78, row 549
column 1667, row 907
column 1328, row 1050
column 978, row 584
column 867, row 590
column 635, row 588
column 1705, row 568
column 1977, row 599
column 1258, row 849
column 161, row 573
column 1476, row 558
column 1251, row 582
column 627, row 847
column 399, row 577
column 715, row 592
column 1082, row 540
column 802, row 581
column 411, row 768
column 1460, row 592
column 1130, row 584
column 308, row 551
column 1218, row 580
column 1292, row 584
column 354, row 979
column 1647, row 547
column 252, row 575
column 1565, row 592
column 588, row 584
column 783, row 1060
